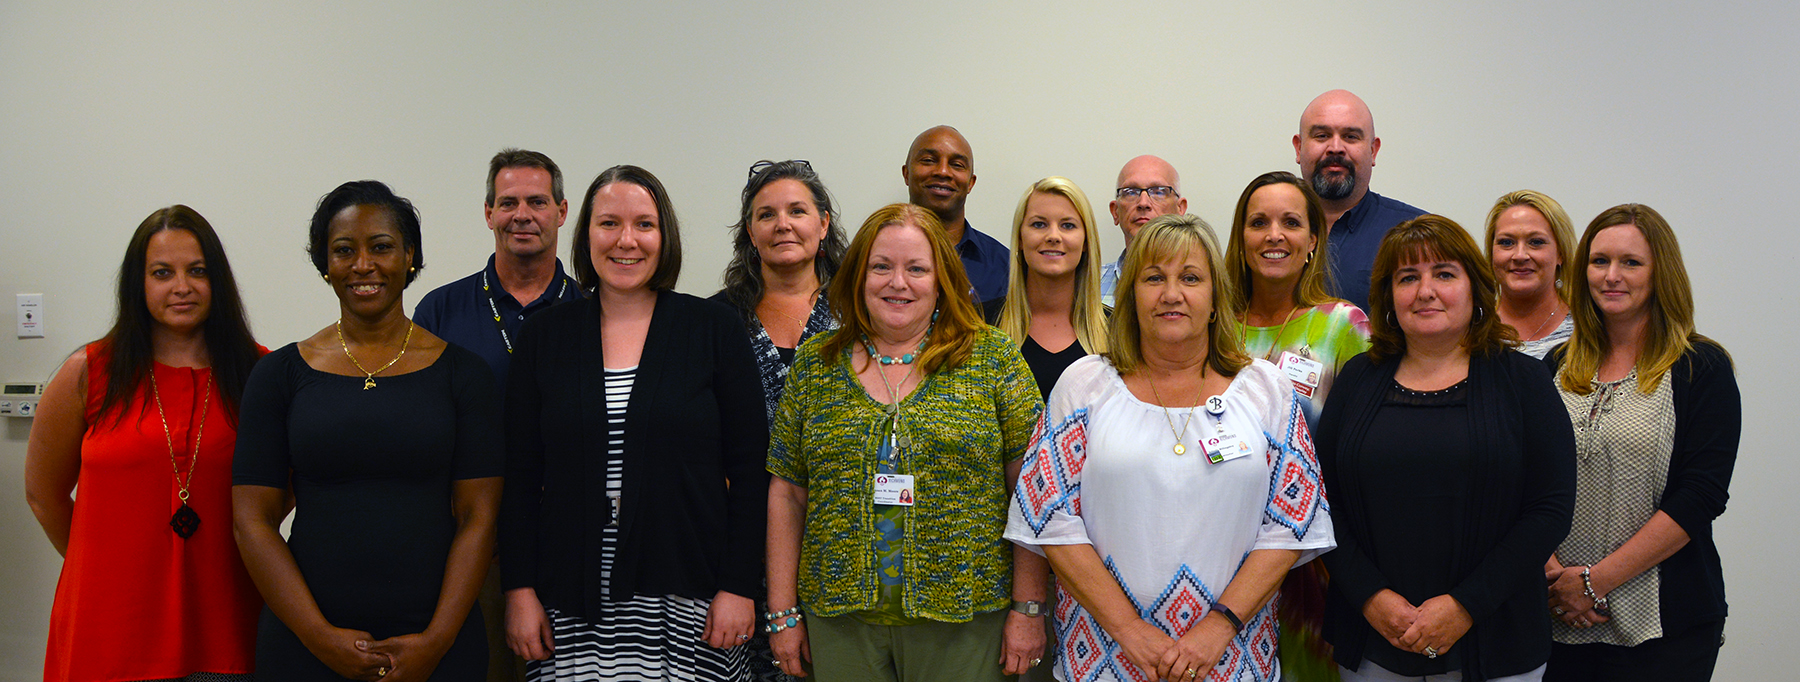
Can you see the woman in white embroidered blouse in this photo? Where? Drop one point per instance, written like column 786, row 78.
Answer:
column 1170, row 521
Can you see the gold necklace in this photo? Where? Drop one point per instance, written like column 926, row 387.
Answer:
column 185, row 520
column 369, row 381
column 1179, row 448
column 811, row 303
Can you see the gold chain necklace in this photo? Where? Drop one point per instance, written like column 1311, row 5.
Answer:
column 1179, row 448
column 185, row 520
column 369, row 381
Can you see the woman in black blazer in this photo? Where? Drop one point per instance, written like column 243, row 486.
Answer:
column 1450, row 470
column 632, row 522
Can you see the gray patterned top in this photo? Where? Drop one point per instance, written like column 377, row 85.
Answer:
column 1623, row 441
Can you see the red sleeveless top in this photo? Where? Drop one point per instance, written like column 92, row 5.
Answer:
column 135, row 600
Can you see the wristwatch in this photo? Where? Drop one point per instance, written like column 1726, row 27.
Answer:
column 1029, row 608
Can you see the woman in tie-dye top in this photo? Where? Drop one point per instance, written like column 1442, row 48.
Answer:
column 1279, row 264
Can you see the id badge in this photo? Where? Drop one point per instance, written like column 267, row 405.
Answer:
column 1303, row 372
column 894, row 489
column 1224, row 447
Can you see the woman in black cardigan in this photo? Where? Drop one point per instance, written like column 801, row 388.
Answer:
column 631, row 537
column 1637, row 587
column 1450, row 472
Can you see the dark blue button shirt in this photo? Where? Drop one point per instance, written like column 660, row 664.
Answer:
column 458, row 312
column 984, row 259
column 1356, row 237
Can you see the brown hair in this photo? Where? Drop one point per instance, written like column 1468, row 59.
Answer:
column 952, row 336
column 668, row 261
column 1428, row 238
column 1670, row 332
column 1312, row 288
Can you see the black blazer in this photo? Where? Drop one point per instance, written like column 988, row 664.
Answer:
column 695, row 500
column 1520, row 499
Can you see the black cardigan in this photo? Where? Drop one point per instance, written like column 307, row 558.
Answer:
column 1520, row 498
column 695, row 502
column 1709, row 418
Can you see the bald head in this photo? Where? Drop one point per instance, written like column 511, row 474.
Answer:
column 1144, row 174
column 939, row 172
column 1336, row 148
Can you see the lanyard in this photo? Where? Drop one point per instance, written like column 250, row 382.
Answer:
column 494, row 307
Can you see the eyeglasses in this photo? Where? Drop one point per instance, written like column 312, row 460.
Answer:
column 1158, row 192
column 760, row 166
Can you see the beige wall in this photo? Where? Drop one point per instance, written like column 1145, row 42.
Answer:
column 250, row 111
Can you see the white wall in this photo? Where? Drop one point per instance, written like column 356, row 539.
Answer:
column 250, row 111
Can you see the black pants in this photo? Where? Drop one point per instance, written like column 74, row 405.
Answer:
column 1687, row 656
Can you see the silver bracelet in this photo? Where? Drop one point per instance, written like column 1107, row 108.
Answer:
column 1587, row 589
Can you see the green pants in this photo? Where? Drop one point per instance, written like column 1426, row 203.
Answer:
column 845, row 649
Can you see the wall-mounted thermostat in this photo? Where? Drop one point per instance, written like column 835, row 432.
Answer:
column 20, row 400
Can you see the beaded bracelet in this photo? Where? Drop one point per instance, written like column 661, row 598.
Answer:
column 1587, row 590
column 782, row 620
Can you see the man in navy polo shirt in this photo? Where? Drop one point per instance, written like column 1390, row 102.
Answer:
column 1336, row 149
column 939, row 172
column 483, row 312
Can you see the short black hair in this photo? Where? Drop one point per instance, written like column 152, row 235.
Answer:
column 366, row 193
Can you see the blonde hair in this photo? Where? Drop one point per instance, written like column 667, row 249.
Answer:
column 1670, row 332
column 1168, row 237
column 1312, row 289
column 1560, row 228
column 952, row 336
column 1087, row 316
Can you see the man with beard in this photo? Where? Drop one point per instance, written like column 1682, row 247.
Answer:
column 1148, row 188
column 939, row 172
column 1336, row 149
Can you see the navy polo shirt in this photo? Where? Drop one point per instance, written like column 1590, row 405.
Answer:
column 1356, row 237
column 458, row 312
column 984, row 259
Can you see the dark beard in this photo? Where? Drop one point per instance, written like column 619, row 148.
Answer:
column 1330, row 189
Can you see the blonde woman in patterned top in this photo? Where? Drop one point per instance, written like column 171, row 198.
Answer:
column 1636, row 589
column 1278, row 258
column 1174, row 483
column 1530, row 240
column 893, row 452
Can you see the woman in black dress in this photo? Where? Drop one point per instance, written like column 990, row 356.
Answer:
column 1451, row 471
column 388, row 440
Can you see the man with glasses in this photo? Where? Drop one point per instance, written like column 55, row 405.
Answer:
column 939, row 172
column 1148, row 188
column 1336, row 149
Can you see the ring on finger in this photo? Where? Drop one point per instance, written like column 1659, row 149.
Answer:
column 1192, row 673
column 1431, row 652
column 1036, row 661
column 1558, row 611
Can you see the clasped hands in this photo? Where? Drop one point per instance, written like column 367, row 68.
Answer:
column 1437, row 624
column 1167, row 658
column 1568, row 598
